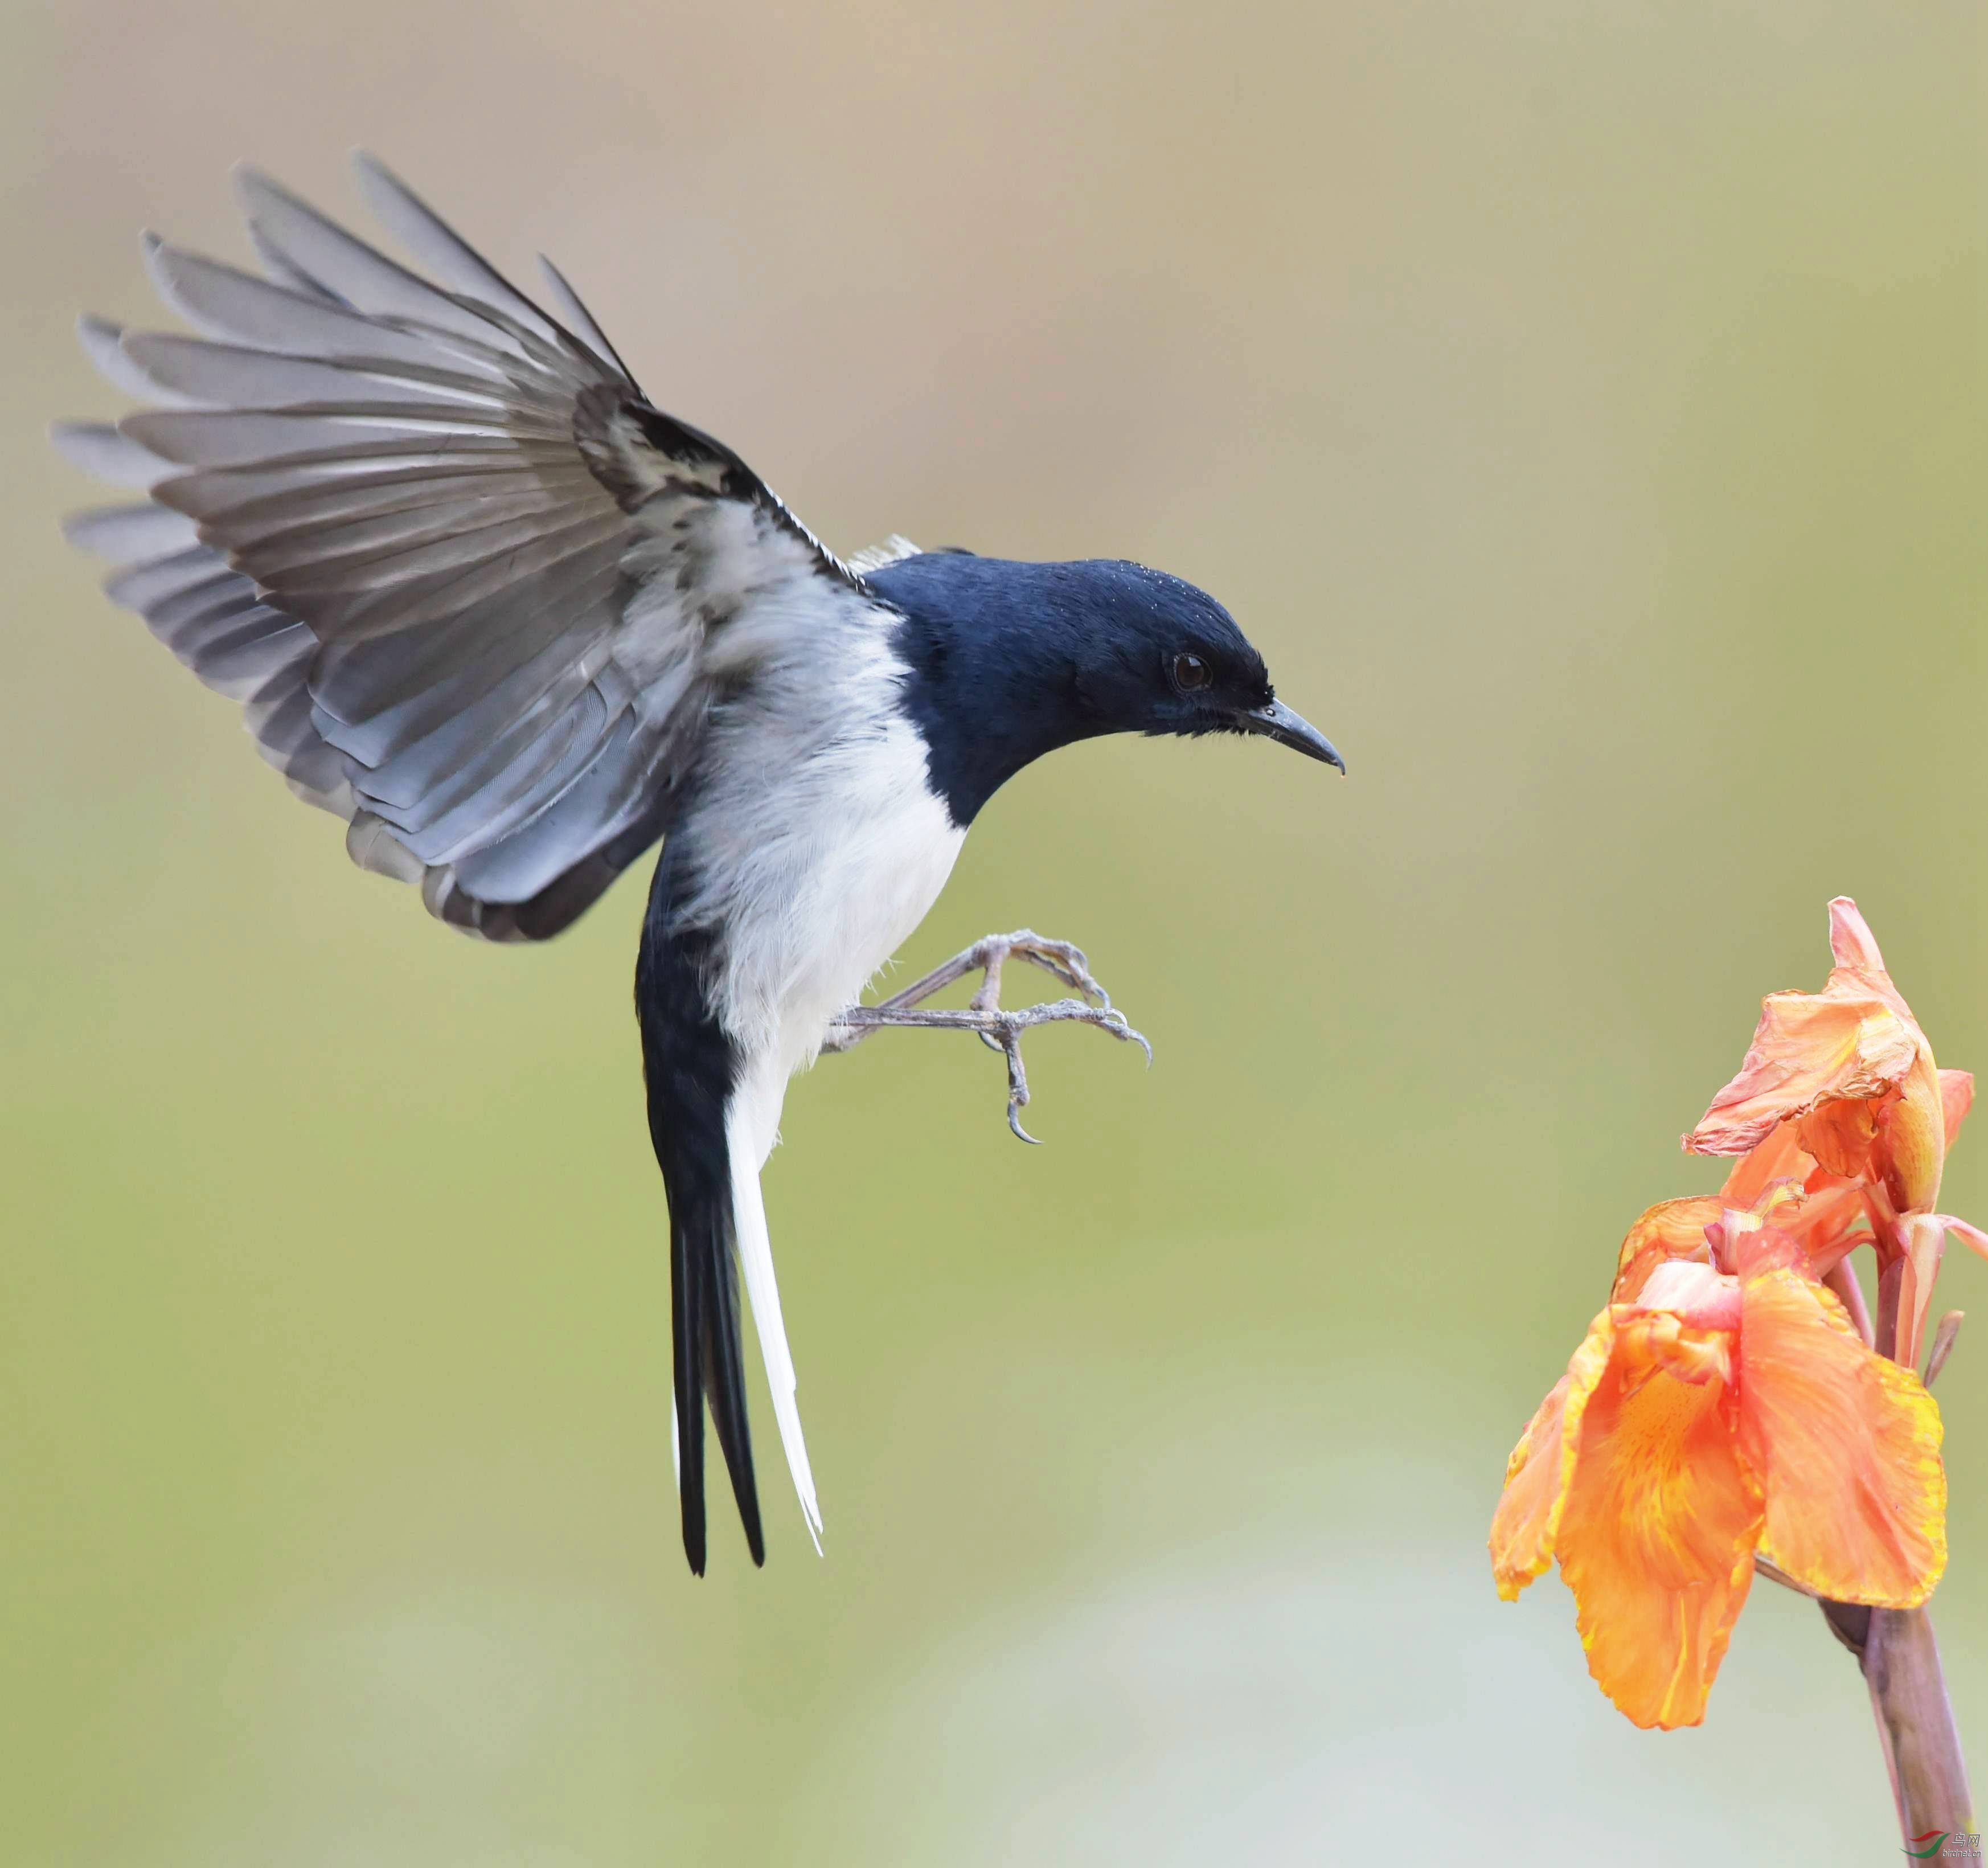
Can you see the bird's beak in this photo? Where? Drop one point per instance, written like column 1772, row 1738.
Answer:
column 1277, row 721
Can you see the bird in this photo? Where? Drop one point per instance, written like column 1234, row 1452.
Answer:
column 483, row 600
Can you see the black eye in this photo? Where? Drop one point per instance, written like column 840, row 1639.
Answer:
column 1190, row 672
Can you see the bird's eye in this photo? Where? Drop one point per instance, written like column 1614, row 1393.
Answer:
column 1190, row 672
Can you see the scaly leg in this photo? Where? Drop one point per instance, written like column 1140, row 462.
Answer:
column 998, row 1028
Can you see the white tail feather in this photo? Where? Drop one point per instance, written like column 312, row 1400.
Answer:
column 756, row 1260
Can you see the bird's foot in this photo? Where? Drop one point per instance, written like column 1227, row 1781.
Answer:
column 997, row 1027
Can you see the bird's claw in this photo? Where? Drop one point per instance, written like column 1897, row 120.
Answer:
column 996, row 1026
column 1063, row 960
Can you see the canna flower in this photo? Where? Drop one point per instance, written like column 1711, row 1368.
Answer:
column 1729, row 1403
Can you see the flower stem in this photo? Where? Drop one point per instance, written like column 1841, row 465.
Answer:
column 1901, row 1663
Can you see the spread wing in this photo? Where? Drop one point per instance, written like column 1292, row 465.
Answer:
column 470, row 587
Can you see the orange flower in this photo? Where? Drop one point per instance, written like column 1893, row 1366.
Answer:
column 1730, row 1403
column 1726, row 1405
column 1723, row 1405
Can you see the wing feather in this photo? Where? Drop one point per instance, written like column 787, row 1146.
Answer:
column 442, row 249
column 129, row 534
column 100, row 450
column 239, row 376
column 102, row 343
column 580, row 319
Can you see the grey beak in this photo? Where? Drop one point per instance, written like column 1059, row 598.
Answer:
column 1277, row 721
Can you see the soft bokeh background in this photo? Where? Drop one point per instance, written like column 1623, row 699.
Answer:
column 1584, row 406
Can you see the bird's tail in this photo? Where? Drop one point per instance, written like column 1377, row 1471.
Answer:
column 747, row 1142
column 704, row 1304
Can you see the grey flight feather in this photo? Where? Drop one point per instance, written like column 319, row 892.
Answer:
column 471, row 589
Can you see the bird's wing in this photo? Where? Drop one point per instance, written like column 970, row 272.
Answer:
column 472, row 588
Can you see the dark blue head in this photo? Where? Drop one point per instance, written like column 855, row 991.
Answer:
column 1010, row 660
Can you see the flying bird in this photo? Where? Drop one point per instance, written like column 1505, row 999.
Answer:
column 484, row 600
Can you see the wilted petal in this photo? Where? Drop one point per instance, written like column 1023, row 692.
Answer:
column 1854, row 950
column 1658, row 1533
column 1842, row 1042
column 1841, row 1135
column 1671, row 1229
column 1847, row 1442
column 1897, row 1140
column 1537, row 1475
column 1851, row 943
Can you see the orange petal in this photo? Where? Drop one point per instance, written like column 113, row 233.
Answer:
column 1809, row 1047
column 1910, row 1152
column 1658, row 1533
column 1839, row 1135
column 1956, row 1096
column 1851, row 943
column 1923, row 1235
column 1698, row 1294
column 1671, row 1229
column 1528, row 1516
column 1780, row 1157
column 1825, row 1224
column 1846, row 1444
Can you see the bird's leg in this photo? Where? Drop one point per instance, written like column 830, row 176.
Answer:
column 997, row 1027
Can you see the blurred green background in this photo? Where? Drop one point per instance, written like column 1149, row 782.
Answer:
column 1586, row 407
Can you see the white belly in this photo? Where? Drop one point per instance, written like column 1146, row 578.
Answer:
column 847, row 856
column 871, row 880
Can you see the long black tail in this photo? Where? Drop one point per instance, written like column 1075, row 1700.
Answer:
column 691, row 1065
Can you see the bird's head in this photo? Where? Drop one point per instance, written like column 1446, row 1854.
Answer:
column 1012, row 660
column 1154, row 654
